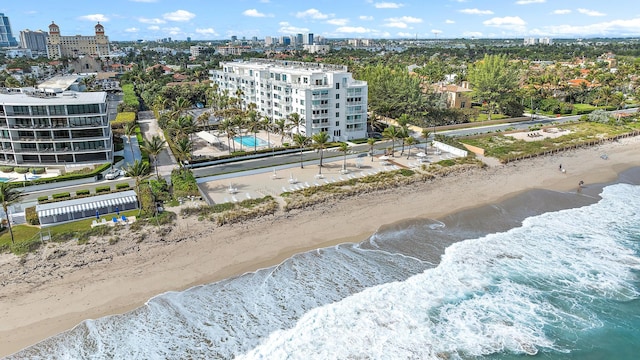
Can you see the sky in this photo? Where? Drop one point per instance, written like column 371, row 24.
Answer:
column 126, row 20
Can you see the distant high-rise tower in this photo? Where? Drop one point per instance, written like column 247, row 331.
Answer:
column 6, row 37
column 298, row 39
column 36, row 41
column 308, row 40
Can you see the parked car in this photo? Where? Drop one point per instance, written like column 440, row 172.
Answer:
column 113, row 174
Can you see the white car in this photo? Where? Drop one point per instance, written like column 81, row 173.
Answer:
column 113, row 174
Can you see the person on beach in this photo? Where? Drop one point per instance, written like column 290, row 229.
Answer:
column 560, row 167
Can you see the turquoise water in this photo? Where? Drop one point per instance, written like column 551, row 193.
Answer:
column 249, row 141
column 4, row 179
column 562, row 285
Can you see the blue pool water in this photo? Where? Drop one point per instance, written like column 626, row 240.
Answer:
column 4, row 179
column 250, row 141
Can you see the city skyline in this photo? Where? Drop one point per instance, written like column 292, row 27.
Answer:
column 126, row 20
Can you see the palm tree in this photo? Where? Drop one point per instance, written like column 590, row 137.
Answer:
column 138, row 170
column 227, row 126
column 371, row 142
column 301, row 141
column 391, row 133
column 129, row 131
column 320, row 141
column 203, row 120
column 403, row 133
column 183, row 150
column 344, row 147
column 154, row 148
column 239, row 121
column 8, row 195
column 409, row 141
column 296, row 120
column 425, row 134
column 253, row 126
column 281, row 126
column 267, row 126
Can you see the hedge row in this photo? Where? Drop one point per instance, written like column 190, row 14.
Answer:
column 122, row 119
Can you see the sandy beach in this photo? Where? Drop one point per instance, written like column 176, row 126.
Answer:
column 60, row 285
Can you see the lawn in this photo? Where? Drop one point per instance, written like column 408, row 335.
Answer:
column 26, row 240
column 504, row 147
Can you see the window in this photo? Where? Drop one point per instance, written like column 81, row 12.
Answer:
column 337, row 123
column 337, row 86
column 39, row 110
column 21, row 110
column 337, row 114
column 337, row 96
column 462, row 105
column 337, row 106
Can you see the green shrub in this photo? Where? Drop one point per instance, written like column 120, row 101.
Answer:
column 122, row 119
column 406, row 172
column 37, row 170
column 83, row 192
column 122, row 186
column 6, row 169
column 218, row 208
column 43, row 198
column 102, row 189
column 25, row 247
column 31, row 216
column 61, row 195
column 21, row 170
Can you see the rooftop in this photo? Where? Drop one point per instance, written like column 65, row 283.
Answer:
column 60, row 82
column 31, row 96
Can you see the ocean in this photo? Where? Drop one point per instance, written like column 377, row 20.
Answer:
column 550, row 274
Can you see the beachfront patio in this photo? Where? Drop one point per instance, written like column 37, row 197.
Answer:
column 288, row 178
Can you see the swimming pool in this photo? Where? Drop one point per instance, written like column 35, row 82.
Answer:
column 4, row 179
column 249, row 141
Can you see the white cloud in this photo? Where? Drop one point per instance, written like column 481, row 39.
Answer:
column 173, row 30
column 287, row 28
column 144, row 1
column 436, row 32
column 400, row 25
column 401, row 22
column 590, row 12
column 365, row 17
column 313, row 14
column 405, row 35
column 476, row 12
column 94, row 17
column 179, row 15
column 388, row 5
column 207, row 31
column 514, row 23
column 253, row 13
column 561, row 12
column 265, row 1
column 448, row 21
column 132, row 30
column 338, row 22
column 630, row 27
column 151, row 21
column 353, row 30
column 154, row 27
column 406, row 19
column 526, row 2
column 475, row 34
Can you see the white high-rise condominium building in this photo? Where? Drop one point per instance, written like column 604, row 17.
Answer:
column 48, row 127
column 326, row 96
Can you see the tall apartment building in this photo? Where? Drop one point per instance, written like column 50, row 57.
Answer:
column 6, row 36
column 48, row 127
column 36, row 41
column 325, row 95
column 74, row 46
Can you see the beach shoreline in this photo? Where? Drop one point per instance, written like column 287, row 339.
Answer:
column 38, row 300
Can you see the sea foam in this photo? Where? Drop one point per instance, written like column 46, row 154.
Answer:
column 506, row 292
